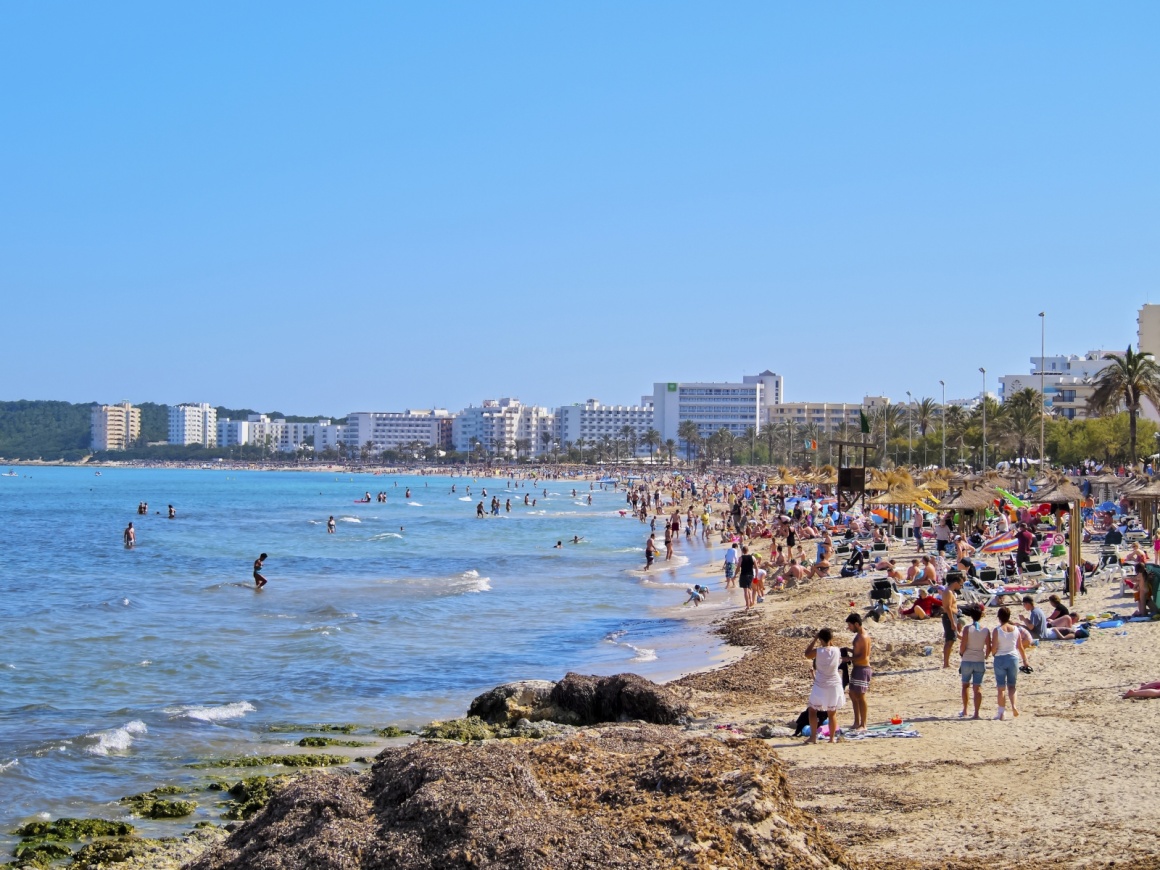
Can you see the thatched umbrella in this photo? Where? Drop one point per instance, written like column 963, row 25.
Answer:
column 970, row 498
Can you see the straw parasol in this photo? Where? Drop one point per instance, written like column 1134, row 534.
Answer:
column 1057, row 489
column 969, row 498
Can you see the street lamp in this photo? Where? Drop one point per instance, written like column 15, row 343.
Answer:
column 983, row 371
column 1042, row 394
column 943, row 384
column 909, row 428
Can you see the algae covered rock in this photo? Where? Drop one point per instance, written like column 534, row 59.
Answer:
column 155, row 804
column 391, row 731
column 507, row 704
column 329, row 741
column 251, row 794
column 462, row 730
column 321, row 760
column 68, row 830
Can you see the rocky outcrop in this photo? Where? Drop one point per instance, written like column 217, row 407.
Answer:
column 619, row 698
column 507, row 704
column 630, row 797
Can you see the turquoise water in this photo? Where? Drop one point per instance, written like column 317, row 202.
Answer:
column 120, row 666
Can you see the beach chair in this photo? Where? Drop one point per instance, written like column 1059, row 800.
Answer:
column 1032, row 573
column 884, row 596
column 878, row 547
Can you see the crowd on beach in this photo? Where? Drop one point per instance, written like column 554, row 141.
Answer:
column 776, row 537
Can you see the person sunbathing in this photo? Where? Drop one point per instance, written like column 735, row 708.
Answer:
column 821, row 569
column 925, row 605
column 1146, row 690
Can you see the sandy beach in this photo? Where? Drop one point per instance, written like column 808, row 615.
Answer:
column 1068, row 783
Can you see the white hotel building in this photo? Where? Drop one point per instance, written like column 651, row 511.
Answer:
column 593, row 421
column 714, row 406
column 193, row 424
column 389, row 430
column 498, row 424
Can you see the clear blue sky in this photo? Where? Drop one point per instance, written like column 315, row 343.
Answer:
column 372, row 206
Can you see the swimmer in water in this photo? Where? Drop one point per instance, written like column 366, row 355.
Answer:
column 172, row 513
column 559, row 545
column 408, row 491
column 576, row 539
column 259, row 580
column 130, row 537
column 330, row 526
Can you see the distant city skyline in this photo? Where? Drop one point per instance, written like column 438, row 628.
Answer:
column 400, row 206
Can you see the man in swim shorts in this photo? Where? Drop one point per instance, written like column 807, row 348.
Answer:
column 130, row 537
column 860, row 672
column 650, row 550
column 259, row 580
column 730, row 565
column 950, row 612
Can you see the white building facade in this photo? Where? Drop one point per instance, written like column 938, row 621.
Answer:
column 714, row 406
column 504, row 427
column 593, row 422
column 193, row 424
column 390, row 430
column 114, row 427
column 1068, row 381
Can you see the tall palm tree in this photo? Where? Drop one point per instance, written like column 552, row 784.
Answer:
column 1125, row 383
column 925, row 413
column 751, row 438
column 770, row 436
column 628, row 434
column 954, row 420
column 1019, row 424
column 580, row 447
column 670, row 446
column 651, row 440
column 687, row 432
column 545, row 440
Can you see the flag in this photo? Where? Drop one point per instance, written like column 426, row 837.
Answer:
column 865, row 422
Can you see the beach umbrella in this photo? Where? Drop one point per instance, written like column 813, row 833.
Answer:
column 1109, row 506
column 1005, row 543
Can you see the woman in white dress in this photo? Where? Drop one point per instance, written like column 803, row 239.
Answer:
column 827, row 693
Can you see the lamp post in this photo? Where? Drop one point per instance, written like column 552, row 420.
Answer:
column 943, row 384
column 983, row 371
column 909, row 429
column 1042, row 394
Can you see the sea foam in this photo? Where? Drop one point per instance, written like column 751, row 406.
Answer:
column 220, row 713
column 114, row 739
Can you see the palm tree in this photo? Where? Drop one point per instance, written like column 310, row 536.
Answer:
column 651, row 439
column 545, row 440
column 1125, row 383
column 580, row 447
column 687, row 432
column 628, row 434
column 954, row 420
column 925, row 413
column 670, row 446
column 770, row 437
column 523, row 445
column 1019, row 423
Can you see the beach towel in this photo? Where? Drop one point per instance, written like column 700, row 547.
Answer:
column 903, row 730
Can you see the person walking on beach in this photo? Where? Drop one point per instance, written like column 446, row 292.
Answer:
column 916, row 525
column 860, row 672
column 330, row 525
column 950, row 613
column 730, row 565
column 746, row 570
column 668, row 542
column 650, row 550
column 130, row 537
column 826, row 692
column 973, row 652
column 259, row 580
column 1007, row 646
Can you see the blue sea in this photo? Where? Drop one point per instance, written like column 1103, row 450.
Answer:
column 119, row 667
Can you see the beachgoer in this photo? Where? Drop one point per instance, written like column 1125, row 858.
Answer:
column 330, row 525
column 130, row 537
column 924, row 606
column 826, row 692
column 694, row 596
column 950, row 612
column 1035, row 621
column 1146, row 690
column 916, row 525
column 1025, row 541
column 1007, row 647
column 559, row 545
column 259, row 580
column 650, row 550
column 860, row 672
column 479, row 510
column 172, row 513
column 746, row 571
column 973, row 652
column 730, row 565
